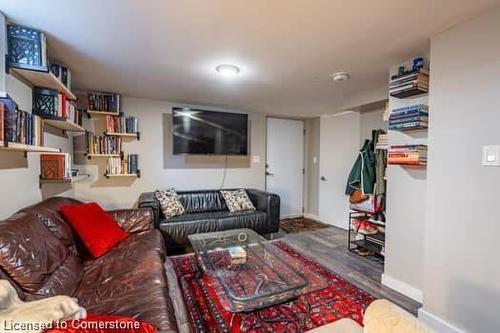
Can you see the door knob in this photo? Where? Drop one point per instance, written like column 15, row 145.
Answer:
column 269, row 174
column 323, row 178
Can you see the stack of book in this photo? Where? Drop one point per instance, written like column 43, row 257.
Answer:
column 97, row 145
column 122, row 124
column 58, row 108
column 383, row 142
column 409, row 118
column 104, row 102
column 19, row 126
column 55, row 166
column 408, row 155
column 128, row 164
column 409, row 84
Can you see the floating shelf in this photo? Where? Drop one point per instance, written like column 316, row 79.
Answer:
column 13, row 146
column 409, row 165
column 64, row 125
column 112, row 175
column 410, row 93
column 124, row 135
column 411, row 129
column 102, row 113
column 64, row 180
column 103, row 155
column 42, row 79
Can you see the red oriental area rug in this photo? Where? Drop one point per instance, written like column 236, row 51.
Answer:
column 339, row 299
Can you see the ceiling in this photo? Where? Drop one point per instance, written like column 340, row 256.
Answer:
column 286, row 49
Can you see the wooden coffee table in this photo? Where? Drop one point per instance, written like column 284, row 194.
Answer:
column 266, row 276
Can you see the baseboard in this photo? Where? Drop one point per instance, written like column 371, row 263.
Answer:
column 436, row 323
column 403, row 288
column 312, row 217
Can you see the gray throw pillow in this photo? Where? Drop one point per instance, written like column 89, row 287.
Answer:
column 170, row 204
column 237, row 200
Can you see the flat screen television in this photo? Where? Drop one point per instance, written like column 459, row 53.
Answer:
column 202, row 132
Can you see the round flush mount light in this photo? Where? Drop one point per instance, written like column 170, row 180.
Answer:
column 227, row 70
column 340, row 76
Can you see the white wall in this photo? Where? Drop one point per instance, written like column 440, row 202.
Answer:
column 369, row 121
column 462, row 266
column 19, row 175
column 113, row 193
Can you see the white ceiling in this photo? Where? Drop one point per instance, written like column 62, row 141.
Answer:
column 286, row 49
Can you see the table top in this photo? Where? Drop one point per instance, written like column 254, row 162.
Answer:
column 261, row 276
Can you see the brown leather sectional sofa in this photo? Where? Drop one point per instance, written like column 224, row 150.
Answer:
column 41, row 256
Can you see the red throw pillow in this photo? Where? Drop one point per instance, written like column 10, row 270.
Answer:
column 96, row 228
column 103, row 324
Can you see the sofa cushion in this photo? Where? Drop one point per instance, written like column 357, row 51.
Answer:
column 97, row 229
column 202, row 201
column 237, row 200
column 29, row 252
column 169, row 202
column 129, row 281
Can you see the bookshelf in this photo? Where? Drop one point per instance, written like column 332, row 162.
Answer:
column 64, row 125
column 13, row 146
column 70, row 180
column 89, row 156
column 135, row 135
column 91, row 113
column 121, row 175
column 41, row 79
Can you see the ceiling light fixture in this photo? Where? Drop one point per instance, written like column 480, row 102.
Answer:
column 340, row 76
column 227, row 70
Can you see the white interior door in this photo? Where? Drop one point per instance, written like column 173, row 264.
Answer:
column 339, row 147
column 285, row 163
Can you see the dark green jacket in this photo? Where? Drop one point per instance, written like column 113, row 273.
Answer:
column 362, row 176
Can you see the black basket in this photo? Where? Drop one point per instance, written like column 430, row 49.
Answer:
column 46, row 103
column 27, row 48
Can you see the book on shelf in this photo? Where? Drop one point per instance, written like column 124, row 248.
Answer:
column 55, row 166
column 127, row 164
column 409, row 119
column 104, row 102
column 103, row 144
column 407, row 155
column 51, row 104
column 26, row 47
column 122, row 124
column 409, row 125
column 19, row 126
column 62, row 73
column 408, row 83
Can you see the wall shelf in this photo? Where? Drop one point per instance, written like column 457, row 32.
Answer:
column 103, row 155
column 42, row 79
column 13, row 146
column 70, row 180
column 112, row 175
column 124, row 135
column 410, row 93
column 91, row 113
column 64, row 125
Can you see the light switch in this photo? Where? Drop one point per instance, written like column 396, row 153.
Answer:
column 491, row 155
column 256, row 159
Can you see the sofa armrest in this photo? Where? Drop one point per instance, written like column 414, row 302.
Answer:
column 134, row 220
column 148, row 200
column 268, row 203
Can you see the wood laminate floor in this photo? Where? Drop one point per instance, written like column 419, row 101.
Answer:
column 328, row 246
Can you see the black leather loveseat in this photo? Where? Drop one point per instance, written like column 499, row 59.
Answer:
column 206, row 211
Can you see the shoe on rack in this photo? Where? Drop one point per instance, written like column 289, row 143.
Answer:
column 356, row 224
column 367, row 228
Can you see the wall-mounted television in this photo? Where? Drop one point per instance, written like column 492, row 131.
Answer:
column 203, row 132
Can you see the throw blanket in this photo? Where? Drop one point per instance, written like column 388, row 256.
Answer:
column 17, row 316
